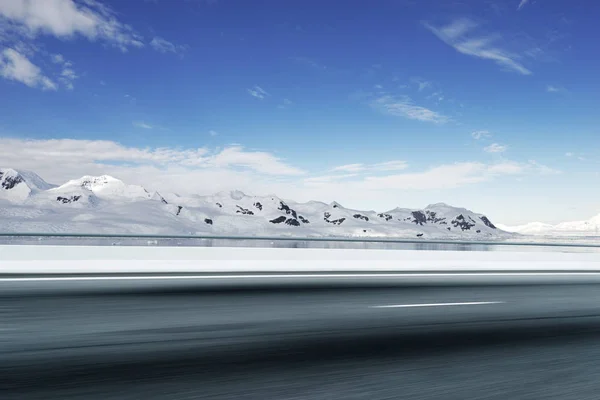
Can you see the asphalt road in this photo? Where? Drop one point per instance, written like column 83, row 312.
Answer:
column 110, row 339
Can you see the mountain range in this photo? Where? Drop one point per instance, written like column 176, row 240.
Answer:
column 590, row 227
column 107, row 205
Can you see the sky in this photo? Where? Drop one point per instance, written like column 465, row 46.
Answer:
column 490, row 105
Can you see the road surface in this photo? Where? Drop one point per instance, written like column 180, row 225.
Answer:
column 463, row 337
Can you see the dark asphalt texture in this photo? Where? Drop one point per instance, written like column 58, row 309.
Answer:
column 301, row 342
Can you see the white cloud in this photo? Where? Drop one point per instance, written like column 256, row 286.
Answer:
column 22, row 22
column 57, row 58
column 67, row 18
column 478, row 135
column 262, row 162
column 456, row 34
column 258, row 92
column 286, row 103
column 421, row 84
column 387, row 166
column 349, row 168
column 213, row 133
column 395, row 165
column 554, row 89
column 142, row 124
column 569, row 154
column 164, row 46
column 93, row 155
column 403, row 106
column 15, row 66
column 321, row 179
column 522, row 4
column 543, row 169
column 495, row 148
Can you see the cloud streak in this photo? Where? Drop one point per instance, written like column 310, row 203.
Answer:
column 402, row 106
column 258, row 92
column 40, row 155
column 164, row 46
column 522, row 4
column 483, row 134
column 495, row 148
column 459, row 35
column 143, row 125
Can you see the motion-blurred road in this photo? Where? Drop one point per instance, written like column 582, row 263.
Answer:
column 432, row 338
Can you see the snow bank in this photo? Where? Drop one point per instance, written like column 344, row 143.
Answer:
column 101, row 259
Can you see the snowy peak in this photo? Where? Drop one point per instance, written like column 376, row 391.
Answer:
column 17, row 185
column 107, row 187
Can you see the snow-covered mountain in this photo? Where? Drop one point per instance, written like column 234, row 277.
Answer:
column 17, row 186
column 590, row 227
column 105, row 204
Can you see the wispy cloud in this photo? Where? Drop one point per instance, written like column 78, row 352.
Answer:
column 459, row 35
column 67, row 18
column 554, row 89
column 522, row 4
column 309, row 62
column 285, row 104
column 24, row 22
column 580, row 157
column 258, row 92
column 395, row 165
column 421, row 84
column 402, row 106
column 17, row 67
column 543, row 169
column 213, row 133
column 478, row 135
column 164, row 46
column 143, row 125
column 87, row 155
column 495, row 148
column 349, row 168
column 68, row 75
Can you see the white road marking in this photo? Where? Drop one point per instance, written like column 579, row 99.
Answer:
column 284, row 276
column 470, row 303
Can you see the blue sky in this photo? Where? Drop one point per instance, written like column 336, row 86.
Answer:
column 489, row 105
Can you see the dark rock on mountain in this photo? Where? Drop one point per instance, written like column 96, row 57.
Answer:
column 487, row 222
column 66, row 200
column 303, row 220
column 278, row 220
column 386, row 216
column 243, row 211
column 287, row 209
column 419, row 235
column 258, row 205
column 419, row 217
column 11, row 181
column 461, row 222
column 208, row 221
column 179, row 208
column 360, row 216
column 292, row 222
column 432, row 217
column 220, row 205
